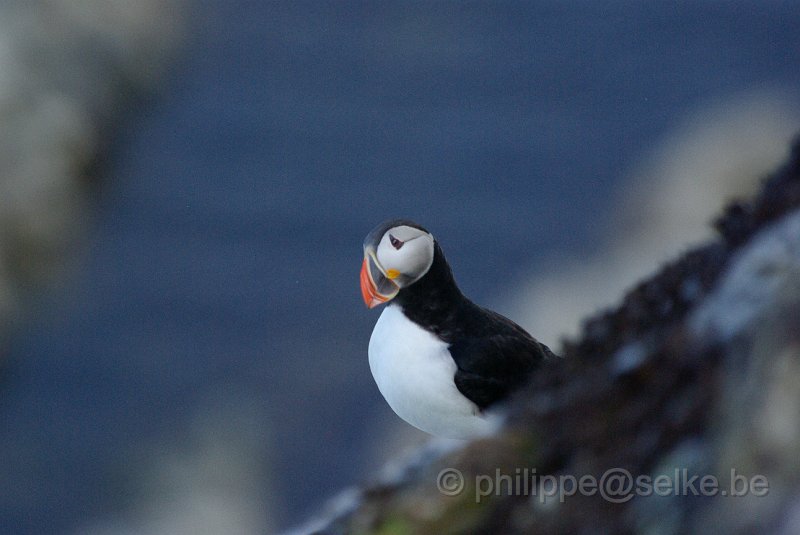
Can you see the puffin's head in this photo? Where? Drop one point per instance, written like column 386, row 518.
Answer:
column 397, row 253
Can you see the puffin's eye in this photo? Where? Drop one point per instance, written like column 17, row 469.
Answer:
column 397, row 244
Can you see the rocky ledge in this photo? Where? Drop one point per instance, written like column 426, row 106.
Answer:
column 68, row 75
column 677, row 412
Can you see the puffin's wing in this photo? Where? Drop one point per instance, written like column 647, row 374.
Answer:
column 490, row 367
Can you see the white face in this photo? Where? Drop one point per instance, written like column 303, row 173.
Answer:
column 405, row 254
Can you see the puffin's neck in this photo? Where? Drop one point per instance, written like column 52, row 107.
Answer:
column 434, row 300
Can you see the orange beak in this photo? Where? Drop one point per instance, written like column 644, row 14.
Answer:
column 368, row 290
column 370, row 287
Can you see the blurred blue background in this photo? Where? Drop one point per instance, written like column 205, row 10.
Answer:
column 212, row 341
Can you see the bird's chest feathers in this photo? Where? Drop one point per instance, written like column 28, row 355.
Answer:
column 414, row 371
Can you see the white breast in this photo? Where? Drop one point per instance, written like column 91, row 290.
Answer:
column 414, row 372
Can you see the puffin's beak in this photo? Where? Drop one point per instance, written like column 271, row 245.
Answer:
column 376, row 288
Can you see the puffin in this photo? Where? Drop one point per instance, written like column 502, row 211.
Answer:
column 442, row 363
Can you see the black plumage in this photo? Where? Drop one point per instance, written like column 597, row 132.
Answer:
column 493, row 355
